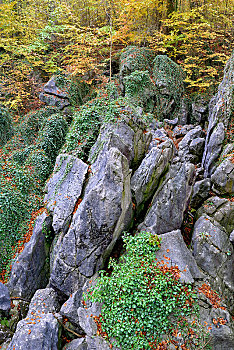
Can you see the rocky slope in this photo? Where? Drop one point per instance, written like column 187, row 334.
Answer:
column 140, row 175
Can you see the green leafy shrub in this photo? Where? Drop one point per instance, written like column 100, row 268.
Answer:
column 6, row 128
column 143, row 299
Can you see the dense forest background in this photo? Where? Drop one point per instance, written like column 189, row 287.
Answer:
column 39, row 38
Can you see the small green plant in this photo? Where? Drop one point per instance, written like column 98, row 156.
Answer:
column 143, row 299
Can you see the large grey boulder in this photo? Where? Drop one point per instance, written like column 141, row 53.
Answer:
column 148, row 175
column 64, row 189
column 220, row 114
column 103, row 214
column 170, row 200
column 31, row 268
column 36, row 332
column 5, row 301
column 176, row 252
column 76, row 344
column 40, row 329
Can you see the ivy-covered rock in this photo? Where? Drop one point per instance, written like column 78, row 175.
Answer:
column 140, row 90
column 133, row 59
column 168, row 77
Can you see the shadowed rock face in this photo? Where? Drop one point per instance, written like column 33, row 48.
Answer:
column 170, row 200
column 31, row 268
column 220, row 116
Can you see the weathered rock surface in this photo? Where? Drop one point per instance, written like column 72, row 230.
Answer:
column 37, row 332
column 100, row 218
column 177, row 253
column 223, row 177
column 40, row 329
column 201, row 190
column 221, row 210
column 31, row 268
column 192, row 145
column 170, row 200
column 64, row 189
column 200, row 111
column 220, row 110
column 76, row 344
column 70, row 307
column 213, row 253
column 147, row 177
column 52, row 95
column 5, row 301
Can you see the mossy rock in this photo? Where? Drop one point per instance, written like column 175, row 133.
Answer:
column 6, row 128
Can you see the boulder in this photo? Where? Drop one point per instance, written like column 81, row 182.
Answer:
column 174, row 251
column 170, row 200
column 70, row 307
column 105, row 211
column 134, row 58
column 64, row 189
column 30, row 270
column 5, row 301
column 149, row 174
column 140, row 90
column 220, row 115
column 40, row 329
column 37, row 332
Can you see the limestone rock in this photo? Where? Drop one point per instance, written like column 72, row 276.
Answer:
column 146, row 178
column 30, row 270
column 192, row 145
column 103, row 214
column 44, row 301
column 201, row 190
column 5, row 301
column 170, row 200
column 169, row 84
column 70, row 307
column 223, row 177
column 76, row 344
column 221, row 210
column 175, row 249
column 220, row 115
column 36, row 333
column 64, row 189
